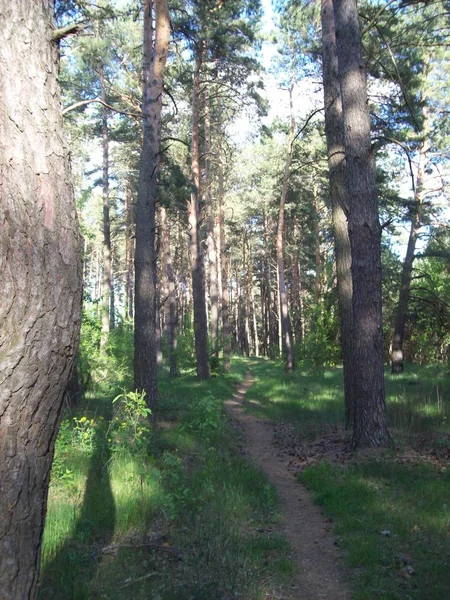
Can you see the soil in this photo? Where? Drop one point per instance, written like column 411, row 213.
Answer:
column 321, row 571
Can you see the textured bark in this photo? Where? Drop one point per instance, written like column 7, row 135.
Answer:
column 405, row 284
column 285, row 321
column 154, row 61
column 170, row 301
column 40, row 302
column 223, row 266
column 195, row 253
column 370, row 423
column 334, row 129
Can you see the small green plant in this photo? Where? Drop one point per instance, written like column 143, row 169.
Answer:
column 83, row 433
column 130, row 422
column 205, row 417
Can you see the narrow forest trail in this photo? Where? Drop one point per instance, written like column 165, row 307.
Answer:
column 321, row 573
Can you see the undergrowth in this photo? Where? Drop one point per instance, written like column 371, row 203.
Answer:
column 165, row 512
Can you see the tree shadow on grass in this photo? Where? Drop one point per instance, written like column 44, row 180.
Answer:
column 70, row 574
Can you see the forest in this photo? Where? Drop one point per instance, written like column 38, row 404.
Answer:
column 225, row 308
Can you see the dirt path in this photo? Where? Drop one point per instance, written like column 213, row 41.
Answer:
column 321, row 571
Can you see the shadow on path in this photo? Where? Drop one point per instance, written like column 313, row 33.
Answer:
column 69, row 575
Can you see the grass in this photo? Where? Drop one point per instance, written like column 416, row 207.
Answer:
column 176, row 513
column 164, row 514
column 418, row 401
column 393, row 521
column 391, row 513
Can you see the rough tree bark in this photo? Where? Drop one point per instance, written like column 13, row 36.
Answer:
column 334, row 130
column 285, row 321
column 370, row 423
column 195, row 253
column 154, row 61
column 40, row 303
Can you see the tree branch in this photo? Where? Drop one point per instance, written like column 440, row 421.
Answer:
column 71, row 29
column 99, row 101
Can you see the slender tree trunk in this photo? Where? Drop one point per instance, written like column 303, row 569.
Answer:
column 154, row 61
column 107, row 309
column 296, row 285
column 197, row 271
column 253, row 311
column 334, row 129
column 370, row 423
column 405, row 284
column 285, row 321
column 41, row 272
column 211, row 245
column 246, row 295
column 317, row 250
column 129, row 253
column 223, row 263
column 169, row 294
column 268, row 279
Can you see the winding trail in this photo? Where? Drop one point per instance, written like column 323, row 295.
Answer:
column 321, row 573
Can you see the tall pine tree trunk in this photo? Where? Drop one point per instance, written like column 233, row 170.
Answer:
column 370, row 423
column 107, row 297
column 297, row 301
column 284, row 318
column 129, row 253
column 41, row 272
column 405, row 284
column 170, row 299
column 195, row 253
column 154, row 61
column 334, row 129
column 225, row 309
column 268, row 280
column 210, row 241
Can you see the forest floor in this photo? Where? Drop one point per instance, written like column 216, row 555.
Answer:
column 321, row 571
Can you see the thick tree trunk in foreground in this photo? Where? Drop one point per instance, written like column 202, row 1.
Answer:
column 154, row 61
column 370, row 423
column 285, row 321
column 405, row 284
column 334, row 129
column 197, row 270
column 40, row 302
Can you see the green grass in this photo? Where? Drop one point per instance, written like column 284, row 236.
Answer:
column 394, row 523
column 400, row 494
column 418, row 401
column 171, row 513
